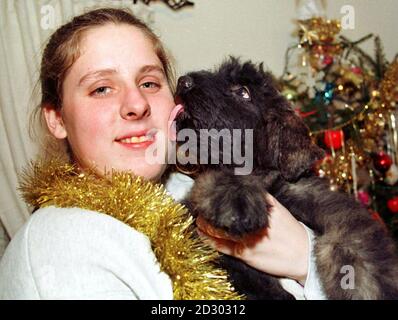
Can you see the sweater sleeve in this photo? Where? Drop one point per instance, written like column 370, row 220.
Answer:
column 4, row 239
column 179, row 185
column 79, row 254
column 312, row 289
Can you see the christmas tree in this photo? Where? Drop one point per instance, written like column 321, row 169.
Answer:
column 348, row 99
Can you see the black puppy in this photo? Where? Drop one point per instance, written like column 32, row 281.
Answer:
column 243, row 96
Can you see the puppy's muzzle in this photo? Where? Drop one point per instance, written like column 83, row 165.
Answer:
column 185, row 83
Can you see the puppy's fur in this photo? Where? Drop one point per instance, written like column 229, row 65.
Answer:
column 283, row 156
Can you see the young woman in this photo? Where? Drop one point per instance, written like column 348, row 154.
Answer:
column 106, row 95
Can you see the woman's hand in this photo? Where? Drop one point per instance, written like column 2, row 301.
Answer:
column 280, row 250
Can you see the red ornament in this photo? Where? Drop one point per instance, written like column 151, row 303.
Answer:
column 364, row 198
column 356, row 70
column 327, row 60
column 392, row 205
column 334, row 138
column 382, row 162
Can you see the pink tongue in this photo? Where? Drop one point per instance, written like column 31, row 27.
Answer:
column 172, row 126
column 175, row 111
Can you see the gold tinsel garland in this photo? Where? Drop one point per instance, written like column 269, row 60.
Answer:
column 318, row 29
column 143, row 206
column 389, row 86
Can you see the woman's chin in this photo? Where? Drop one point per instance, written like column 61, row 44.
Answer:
column 148, row 172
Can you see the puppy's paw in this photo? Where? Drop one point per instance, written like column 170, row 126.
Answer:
column 235, row 204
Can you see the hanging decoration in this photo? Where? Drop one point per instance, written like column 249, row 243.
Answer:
column 173, row 4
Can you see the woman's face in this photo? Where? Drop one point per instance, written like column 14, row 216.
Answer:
column 116, row 102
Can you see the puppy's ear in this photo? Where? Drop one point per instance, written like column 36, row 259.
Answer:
column 288, row 147
column 296, row 151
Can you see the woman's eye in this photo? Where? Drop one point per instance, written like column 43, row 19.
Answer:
column 101, row 91
column 243, row 92
column 150, row 85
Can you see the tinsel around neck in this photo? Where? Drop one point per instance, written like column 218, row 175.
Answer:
column 145, row 207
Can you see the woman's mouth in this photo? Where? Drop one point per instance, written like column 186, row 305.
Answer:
column 138, row 140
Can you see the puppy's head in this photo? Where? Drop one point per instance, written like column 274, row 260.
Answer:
column 243, row 96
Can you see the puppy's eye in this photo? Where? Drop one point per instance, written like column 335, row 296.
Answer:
column 242, row 92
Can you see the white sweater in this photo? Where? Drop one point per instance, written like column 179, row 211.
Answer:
column 71, row 253
column 4, row 240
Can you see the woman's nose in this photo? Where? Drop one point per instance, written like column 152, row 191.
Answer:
column 135, row 106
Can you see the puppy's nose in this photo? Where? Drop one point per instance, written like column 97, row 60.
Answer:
column 185, row 83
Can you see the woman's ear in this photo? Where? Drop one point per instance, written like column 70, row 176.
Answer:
column 54, row 122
